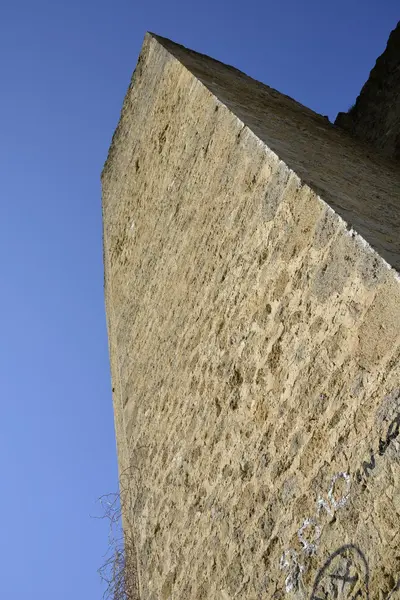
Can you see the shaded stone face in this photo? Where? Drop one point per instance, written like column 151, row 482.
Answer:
column 254, row 340
column 375, row 116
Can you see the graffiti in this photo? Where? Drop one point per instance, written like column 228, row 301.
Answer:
column 334, row 504
column 309, row 547
column 289, row 562
column 391, row 434
column 345, row 575
column 342, row 501
column 309, row 532
column 395, row 589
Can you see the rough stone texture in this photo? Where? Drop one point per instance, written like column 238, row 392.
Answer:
column 375, row 116
column 253, row 310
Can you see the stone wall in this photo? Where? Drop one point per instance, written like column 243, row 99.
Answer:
column 375, row 116
column 254, row 326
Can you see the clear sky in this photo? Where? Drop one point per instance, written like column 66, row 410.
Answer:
column 65, row 67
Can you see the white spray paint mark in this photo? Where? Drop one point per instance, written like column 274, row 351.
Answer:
column 343, row 500
column 289, row 562
column 289, row 559
column 309, row 547
column 333, row 504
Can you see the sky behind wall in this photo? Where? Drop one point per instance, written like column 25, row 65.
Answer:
column 65, row 68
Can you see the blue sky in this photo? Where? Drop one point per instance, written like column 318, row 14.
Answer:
column 65, row 67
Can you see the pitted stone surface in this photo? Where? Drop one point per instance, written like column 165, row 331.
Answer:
column 254, row 340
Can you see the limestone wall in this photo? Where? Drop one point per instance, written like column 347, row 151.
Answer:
column 254, row 340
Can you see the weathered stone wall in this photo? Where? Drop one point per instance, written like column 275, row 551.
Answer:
column 254, row 339
column 375, row 116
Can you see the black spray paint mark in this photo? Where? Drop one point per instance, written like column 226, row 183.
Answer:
column 395, row 589
column 344, row 575
column 392, row 433
column 369, row 466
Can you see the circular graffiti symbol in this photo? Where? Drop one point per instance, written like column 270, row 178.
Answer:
column 344, row 576
column 395, row 593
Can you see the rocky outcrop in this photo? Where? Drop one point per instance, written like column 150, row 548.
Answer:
column 375, row 116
